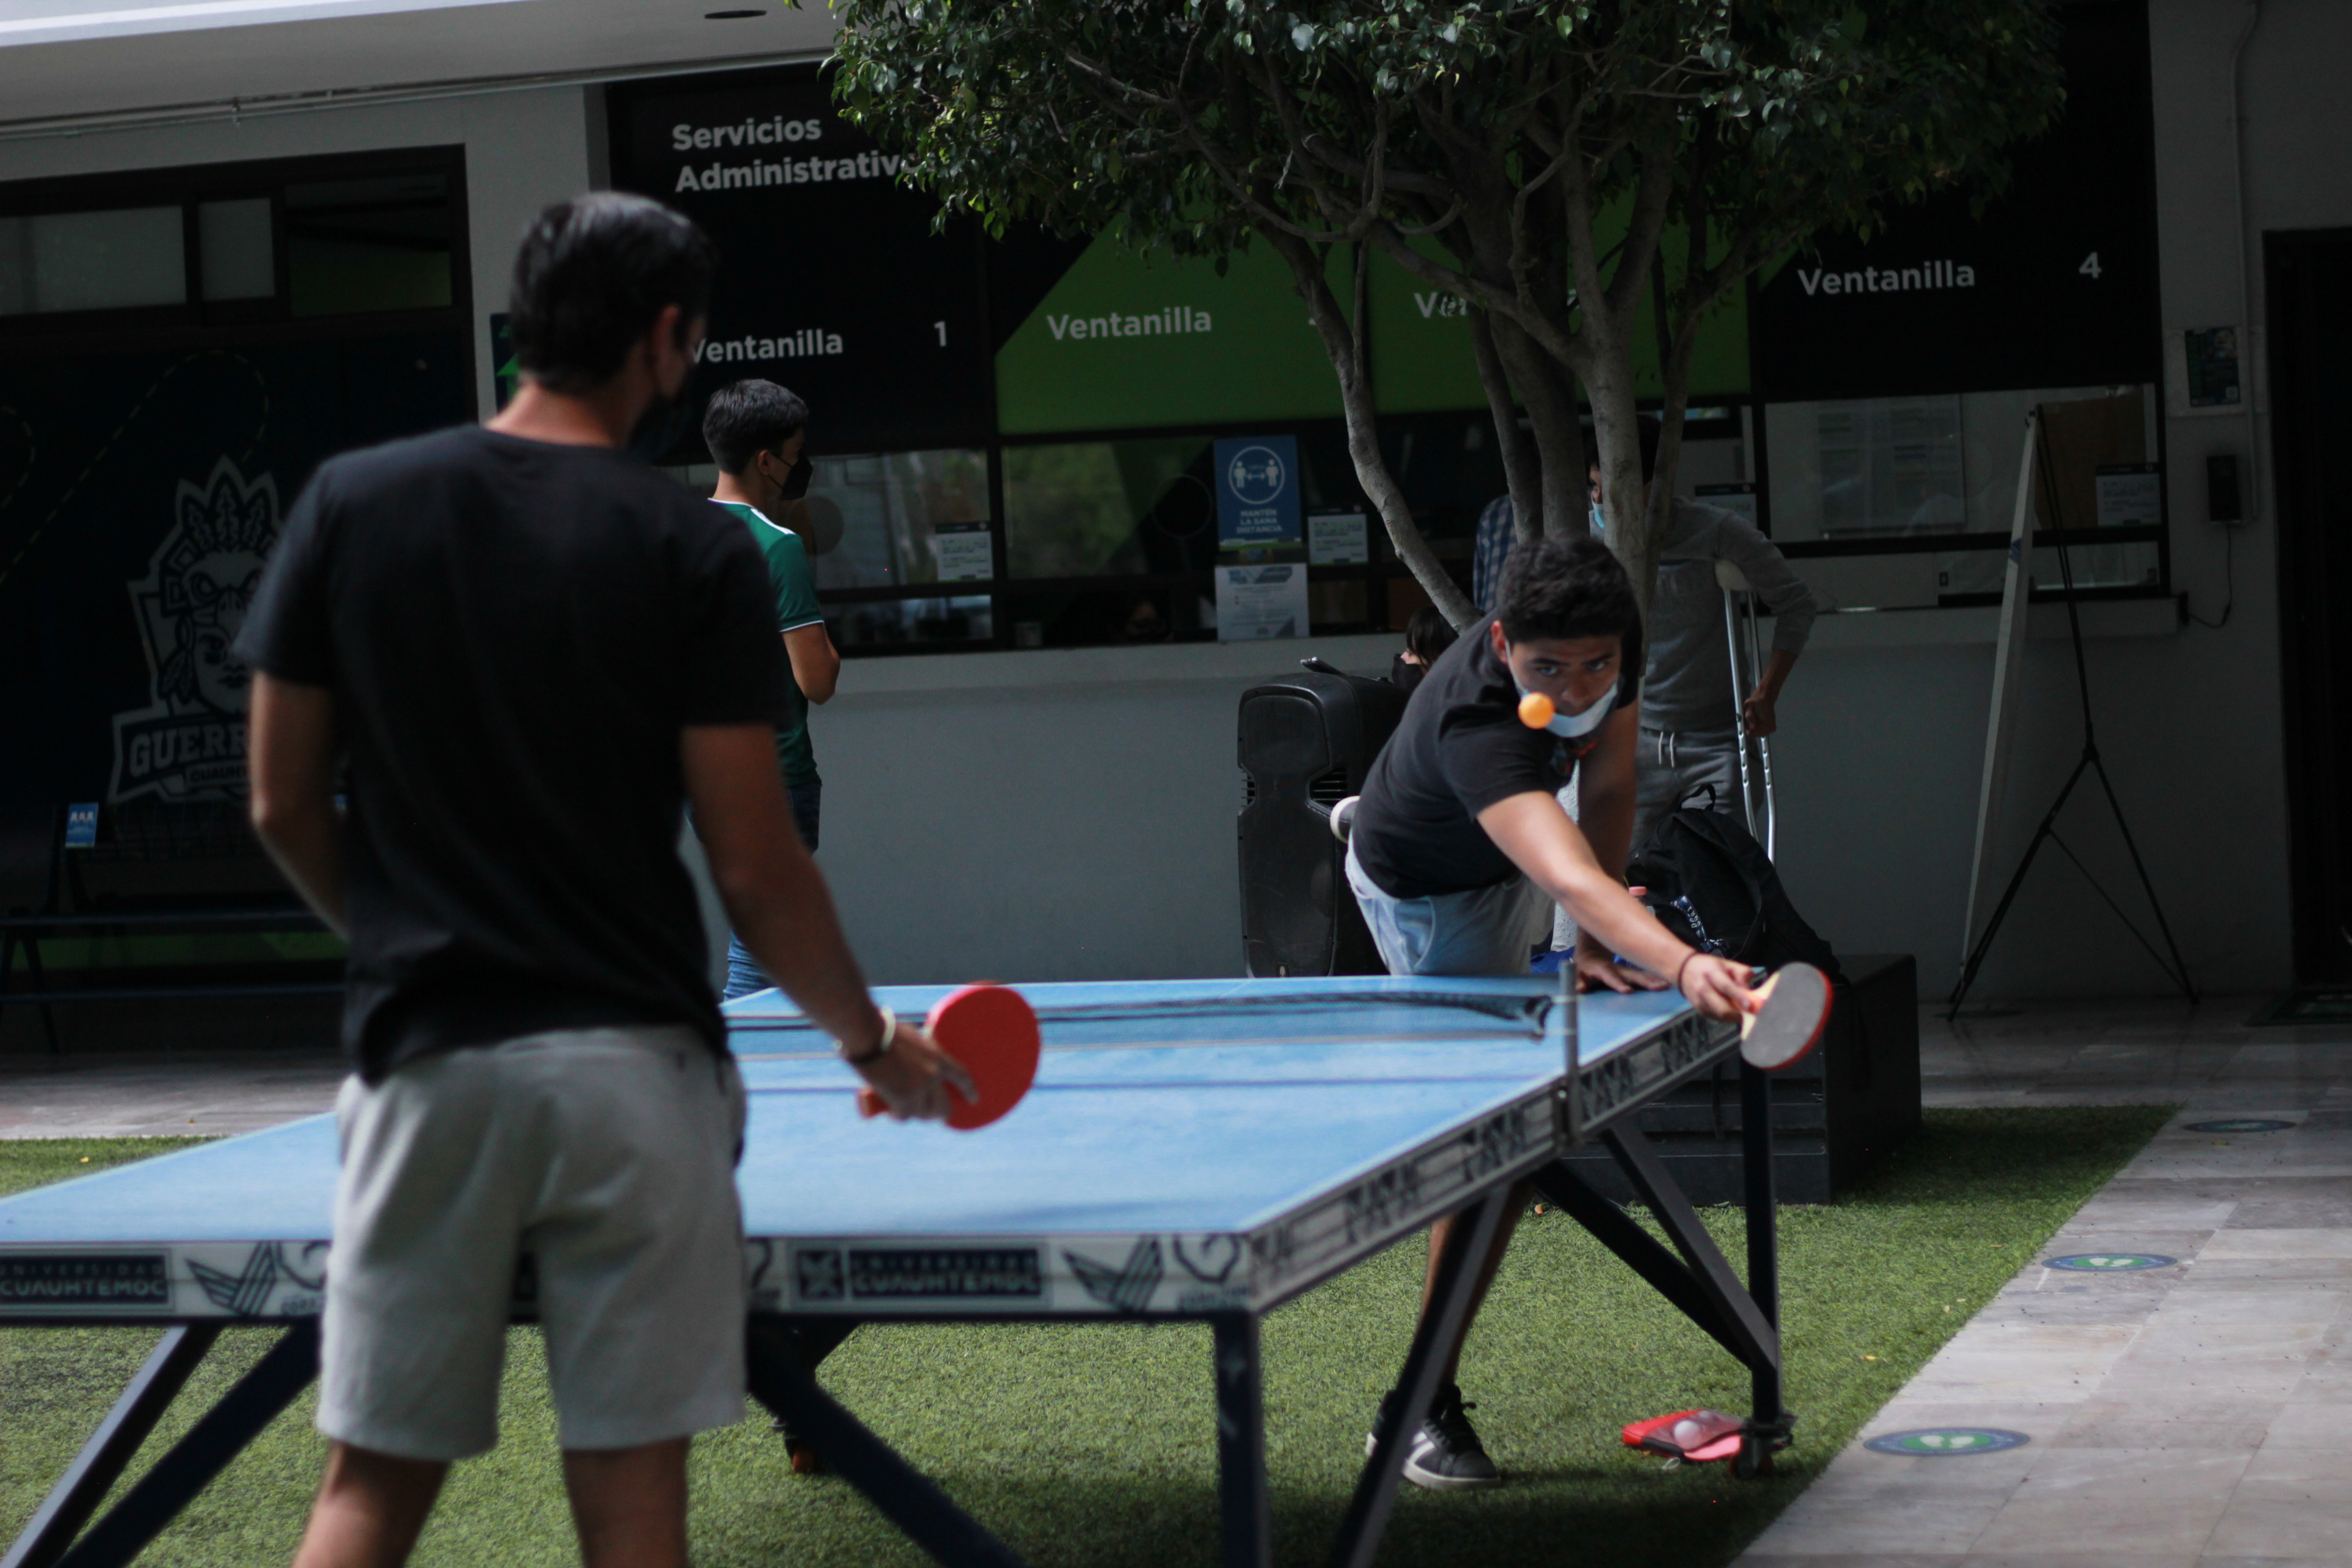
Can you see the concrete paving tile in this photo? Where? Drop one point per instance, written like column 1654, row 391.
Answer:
column 1752, row 1558
column 2160, row 1341
column 2116, row 1501
column 2216, row 1274
column 2308, row 1516
column 2205, row 1379
column 2282, row 1242
column 1995, row 1375
column 2323, row 1302
column 2056, row 1306
column 2146, row 1422
column 1870, row 1527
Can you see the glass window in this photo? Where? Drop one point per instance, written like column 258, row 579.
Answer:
column 237, row 248
column 886, row 622
column 1885, row 468
column 898, row 519
column 378, row 244
column 92, row 261
column 1092, row 508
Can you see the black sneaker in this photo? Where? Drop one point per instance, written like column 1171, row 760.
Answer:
column 1444, row 1455
column 1343, row 818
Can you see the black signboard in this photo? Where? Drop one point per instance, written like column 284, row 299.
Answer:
column 2054, row 286
column 831, row 280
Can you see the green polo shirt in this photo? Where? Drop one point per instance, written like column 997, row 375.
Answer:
column 788, row 570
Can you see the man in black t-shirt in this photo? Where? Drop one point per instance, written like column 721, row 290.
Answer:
column 525, row 651
column 1459, row 848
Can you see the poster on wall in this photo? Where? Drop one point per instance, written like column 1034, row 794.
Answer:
column 1261, row 601
column 1257, row 491
column 831, row 278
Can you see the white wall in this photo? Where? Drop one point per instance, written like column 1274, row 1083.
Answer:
column 523, row 150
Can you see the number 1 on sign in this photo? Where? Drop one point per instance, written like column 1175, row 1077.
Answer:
column 941, row 327
column 2090, row 268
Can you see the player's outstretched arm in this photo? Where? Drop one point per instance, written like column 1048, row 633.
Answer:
column 292, row 745
column 1533, row 830
column 782, row 910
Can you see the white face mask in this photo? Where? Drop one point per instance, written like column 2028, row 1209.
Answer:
column 1575, row 724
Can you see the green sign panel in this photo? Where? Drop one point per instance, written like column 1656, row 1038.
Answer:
column 1126, row 342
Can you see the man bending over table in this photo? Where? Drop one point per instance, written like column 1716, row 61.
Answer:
column 527, row 650
column 1458, row 848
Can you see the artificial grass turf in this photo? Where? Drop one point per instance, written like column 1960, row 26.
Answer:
column 1096, row 1444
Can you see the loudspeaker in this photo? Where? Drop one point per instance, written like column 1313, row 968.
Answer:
column 1306, row 743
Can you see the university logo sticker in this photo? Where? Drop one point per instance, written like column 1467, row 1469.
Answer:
column 1127, row 1286
column 189, row 742
column 2111, row 1262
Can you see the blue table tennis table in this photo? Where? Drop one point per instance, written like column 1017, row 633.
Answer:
column 1193, row 1150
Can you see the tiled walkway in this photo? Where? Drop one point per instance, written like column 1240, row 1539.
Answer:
column 2198, row 1413
column 2195, row 1413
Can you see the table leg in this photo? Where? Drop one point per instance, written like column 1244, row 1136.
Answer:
column 904, row 1495
column 1245, row 1516
column 1763, row 1262
column 103, row 1458
column 1457, row 1281
column 173, row 1480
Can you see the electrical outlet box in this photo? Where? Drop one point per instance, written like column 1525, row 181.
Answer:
column 2224, row 504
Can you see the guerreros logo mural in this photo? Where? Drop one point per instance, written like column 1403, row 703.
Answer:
column 189, row 743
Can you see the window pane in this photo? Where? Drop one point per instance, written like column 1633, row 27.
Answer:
column 239, row 260
column 884, row 521
column 378, row 244
column 92, row 261
column 904, row 621
column 1110, row 508
column 1888, row 466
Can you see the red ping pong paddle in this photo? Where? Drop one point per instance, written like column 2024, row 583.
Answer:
column 994, row 1033
column 1695, row 1436
column 1790, row 1023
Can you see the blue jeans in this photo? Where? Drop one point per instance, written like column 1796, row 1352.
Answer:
column 744, row 974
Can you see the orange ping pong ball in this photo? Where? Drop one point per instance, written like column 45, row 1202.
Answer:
column 1536, row 710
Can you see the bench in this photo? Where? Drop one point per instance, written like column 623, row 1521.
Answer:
column 150, row 869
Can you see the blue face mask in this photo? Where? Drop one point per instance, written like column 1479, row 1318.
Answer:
column 1600, row 523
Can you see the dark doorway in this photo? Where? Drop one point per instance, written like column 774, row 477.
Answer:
column 2310, row 402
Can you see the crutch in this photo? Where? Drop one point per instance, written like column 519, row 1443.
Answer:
column 1747, row 669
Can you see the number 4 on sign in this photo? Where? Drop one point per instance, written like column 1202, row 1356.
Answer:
column 2090, row 268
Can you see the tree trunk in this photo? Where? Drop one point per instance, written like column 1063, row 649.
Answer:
column 1339, row 337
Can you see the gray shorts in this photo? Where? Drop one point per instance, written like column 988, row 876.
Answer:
column 1484, row 931
column 1675, row 765
column 605, row 1157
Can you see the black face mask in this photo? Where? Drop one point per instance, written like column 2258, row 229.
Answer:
column 796, row 483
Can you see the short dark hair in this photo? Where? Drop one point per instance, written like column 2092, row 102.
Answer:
column 1562, row 588
column 592, row 274
column 1428, row 634
column 745, row 418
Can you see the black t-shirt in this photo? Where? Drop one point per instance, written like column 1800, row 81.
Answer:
column 514, row 633
column 1458, row 750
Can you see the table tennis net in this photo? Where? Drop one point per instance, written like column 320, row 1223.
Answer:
column 1289, row 1015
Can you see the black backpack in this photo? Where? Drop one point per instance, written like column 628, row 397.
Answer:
column 1712, row 884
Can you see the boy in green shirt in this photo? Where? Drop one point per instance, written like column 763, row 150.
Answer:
column 756, row 430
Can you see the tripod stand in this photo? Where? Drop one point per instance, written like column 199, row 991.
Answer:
column 2177, row 969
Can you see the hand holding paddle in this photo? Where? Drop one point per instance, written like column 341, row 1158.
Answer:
column 981, row 1045
column 1780, row 1021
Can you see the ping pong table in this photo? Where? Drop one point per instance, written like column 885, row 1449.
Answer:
column 1192, row 1150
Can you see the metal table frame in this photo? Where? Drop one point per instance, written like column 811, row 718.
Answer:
column 1489, row 1162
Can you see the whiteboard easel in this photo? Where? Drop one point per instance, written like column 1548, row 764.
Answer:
column 2008, row 675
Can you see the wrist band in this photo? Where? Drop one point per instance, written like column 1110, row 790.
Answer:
column 1678, row 971
column 882, row 1048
